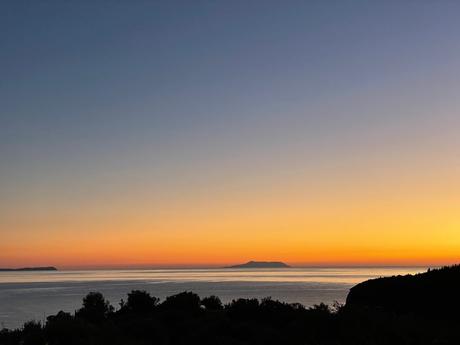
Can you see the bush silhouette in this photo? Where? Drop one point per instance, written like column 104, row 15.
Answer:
column 212, row 303
column 95, row 307
column 139, row 302
column 184, row 301
column 32, row 334
column 243, row 308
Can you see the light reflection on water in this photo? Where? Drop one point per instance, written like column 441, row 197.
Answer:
column 342, row 275
column 33, row 295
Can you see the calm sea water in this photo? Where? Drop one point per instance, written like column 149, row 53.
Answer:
column 34, row 295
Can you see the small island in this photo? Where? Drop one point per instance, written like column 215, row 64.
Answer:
column 261, row 264
column 27, row 269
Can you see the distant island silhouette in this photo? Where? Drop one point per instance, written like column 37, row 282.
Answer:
column 48, row 268
column 261, row 264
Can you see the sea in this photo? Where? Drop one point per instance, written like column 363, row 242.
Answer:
column 26, row 296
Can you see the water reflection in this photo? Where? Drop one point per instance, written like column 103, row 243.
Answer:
column 343, row 275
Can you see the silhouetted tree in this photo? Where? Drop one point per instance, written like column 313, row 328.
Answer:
column 33, row 334
column 62, row 328
column 139, row 302
column 95, row 307
column 243, row 308
column 212, row 303
column 10, row 337
column 184, row 301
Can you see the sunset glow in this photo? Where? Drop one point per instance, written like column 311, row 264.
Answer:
column 169, row 143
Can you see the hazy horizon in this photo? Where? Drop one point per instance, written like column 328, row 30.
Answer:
column 153, row 266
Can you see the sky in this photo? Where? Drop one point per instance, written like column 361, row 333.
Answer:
column 180, row 133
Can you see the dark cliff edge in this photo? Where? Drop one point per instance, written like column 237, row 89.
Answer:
column 432, row 294
column 49, row 268
column 261, row 264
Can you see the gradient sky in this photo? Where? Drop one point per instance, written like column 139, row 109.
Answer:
column 214, row 132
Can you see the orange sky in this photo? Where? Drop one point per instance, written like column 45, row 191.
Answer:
column 382, row 218
column 157, row 133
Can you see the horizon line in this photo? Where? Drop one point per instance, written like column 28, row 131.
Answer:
column 191, row 267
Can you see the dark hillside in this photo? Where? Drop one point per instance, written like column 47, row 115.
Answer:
column 433, row 294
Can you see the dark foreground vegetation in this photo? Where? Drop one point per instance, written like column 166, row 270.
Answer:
column 420, row 309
